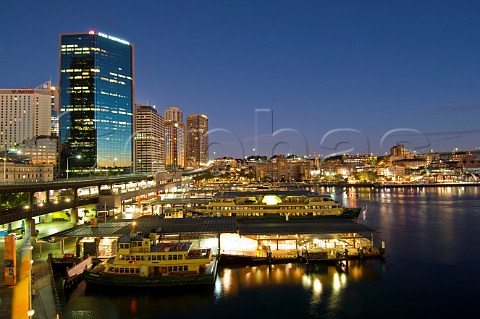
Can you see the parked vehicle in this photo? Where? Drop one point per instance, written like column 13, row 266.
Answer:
column 61, row 216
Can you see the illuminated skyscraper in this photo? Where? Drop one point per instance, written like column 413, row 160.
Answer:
column 197, row 140
column 96, row 103
column 149, row 140
column 174, row 139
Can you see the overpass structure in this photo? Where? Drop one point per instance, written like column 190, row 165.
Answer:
column 72, row 193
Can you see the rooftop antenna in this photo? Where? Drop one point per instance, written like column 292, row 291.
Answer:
column 45, row 85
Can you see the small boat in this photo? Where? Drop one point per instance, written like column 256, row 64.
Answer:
column 142, row 261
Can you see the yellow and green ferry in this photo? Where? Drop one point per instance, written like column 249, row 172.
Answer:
column 141, row 261
column 278, row 203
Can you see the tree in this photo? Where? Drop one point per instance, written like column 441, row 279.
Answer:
column 366, row 176
column 8, row 201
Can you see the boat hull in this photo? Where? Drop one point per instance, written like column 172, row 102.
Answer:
column 157, row 281
column 153, row 280
column 348, row 213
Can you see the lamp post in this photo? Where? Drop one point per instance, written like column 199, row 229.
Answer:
column 77, row 157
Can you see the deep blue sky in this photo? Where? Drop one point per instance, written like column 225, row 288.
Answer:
column 332, row 72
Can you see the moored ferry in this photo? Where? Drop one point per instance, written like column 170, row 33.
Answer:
column 142, row 261
column 280, row 203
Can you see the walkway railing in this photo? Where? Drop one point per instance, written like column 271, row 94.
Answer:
column 56, row 296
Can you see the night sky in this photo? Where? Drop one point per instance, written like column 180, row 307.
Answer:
column 326, row 76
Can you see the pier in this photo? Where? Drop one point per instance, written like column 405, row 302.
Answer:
column 238, row 241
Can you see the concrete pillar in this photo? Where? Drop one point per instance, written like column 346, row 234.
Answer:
column 31, row 196
column 77, row 247
column 74, row 210
column 28, row 229
column 346, row 260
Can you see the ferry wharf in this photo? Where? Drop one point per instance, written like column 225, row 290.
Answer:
column 238, row 240
column 317, row 240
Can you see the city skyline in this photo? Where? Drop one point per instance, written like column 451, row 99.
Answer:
column 327, row 77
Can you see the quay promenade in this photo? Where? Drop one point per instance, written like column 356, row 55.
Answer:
column 14, row 300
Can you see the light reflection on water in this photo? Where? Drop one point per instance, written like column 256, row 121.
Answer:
column 430, row 270
column 318, row 287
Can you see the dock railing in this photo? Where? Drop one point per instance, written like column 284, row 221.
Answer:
column 56, row 296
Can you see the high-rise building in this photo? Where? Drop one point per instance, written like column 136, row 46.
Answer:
column 197, row 140
column 174, row 139
column 96, row 103
column 25, row 114
column 173, row 114
column 149, row 140
column 399, row 150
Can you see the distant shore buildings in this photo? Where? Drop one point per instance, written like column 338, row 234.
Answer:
column 401, row 166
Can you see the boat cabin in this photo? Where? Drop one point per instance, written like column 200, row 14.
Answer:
column 144, row 256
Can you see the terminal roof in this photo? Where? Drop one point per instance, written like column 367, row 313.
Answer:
column 214, row 225
column 147, row 224
column 301, row 226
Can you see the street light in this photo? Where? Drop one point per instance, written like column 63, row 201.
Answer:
column 77, row 157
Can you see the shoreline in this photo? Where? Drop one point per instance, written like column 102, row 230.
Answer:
column 388, row 185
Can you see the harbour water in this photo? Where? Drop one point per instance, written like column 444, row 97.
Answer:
column 430, row 270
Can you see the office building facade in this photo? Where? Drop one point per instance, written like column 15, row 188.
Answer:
column 196, row 140
column 149, row 140
column 40, row 150
column 96, row 103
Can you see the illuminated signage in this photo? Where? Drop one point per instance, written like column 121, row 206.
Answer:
column 23, row 91
column 113, row 38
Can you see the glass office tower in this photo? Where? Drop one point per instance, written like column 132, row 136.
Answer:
column 96, row 104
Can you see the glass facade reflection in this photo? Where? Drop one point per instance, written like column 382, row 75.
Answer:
column 96, row 103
